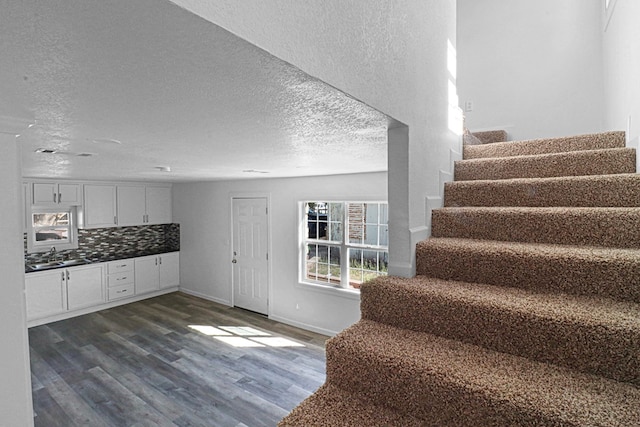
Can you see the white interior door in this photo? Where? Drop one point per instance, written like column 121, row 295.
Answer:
column 250, row 254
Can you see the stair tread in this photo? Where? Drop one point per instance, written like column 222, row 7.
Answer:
column 422, row 361
column 546, row 327
column 591, row 162
column 585, row 270
column 587, row 310
column 595, row 226
column 332, row 406
column 589, row 190
column 592, row 141
column 538, row 249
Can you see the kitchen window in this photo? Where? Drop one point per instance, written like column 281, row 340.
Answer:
column 344, row 244
column 49, row 228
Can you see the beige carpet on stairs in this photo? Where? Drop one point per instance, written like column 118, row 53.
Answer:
column 526, row 307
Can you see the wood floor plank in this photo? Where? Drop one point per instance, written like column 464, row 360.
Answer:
column 143, row 364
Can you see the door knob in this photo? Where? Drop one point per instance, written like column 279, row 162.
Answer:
column 234, row 261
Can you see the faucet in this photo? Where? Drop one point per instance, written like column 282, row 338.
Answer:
column 53, row 256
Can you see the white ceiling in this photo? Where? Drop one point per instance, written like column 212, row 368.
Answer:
column 176, row 91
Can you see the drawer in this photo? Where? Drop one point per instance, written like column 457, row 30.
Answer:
column 118, row 279
column 120, row 266
column 121, row 292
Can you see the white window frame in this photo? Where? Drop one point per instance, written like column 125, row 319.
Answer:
column 344, row 245
column 34, row 246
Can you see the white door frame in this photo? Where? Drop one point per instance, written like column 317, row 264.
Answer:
column 251, row 195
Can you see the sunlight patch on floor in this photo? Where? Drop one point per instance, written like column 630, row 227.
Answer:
column 244, row 336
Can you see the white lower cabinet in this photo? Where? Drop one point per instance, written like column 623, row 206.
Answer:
column 120, row 279
column 45, row 293
column 55, row 292
column 85, row 286
column 157, row 272
column 52, row 293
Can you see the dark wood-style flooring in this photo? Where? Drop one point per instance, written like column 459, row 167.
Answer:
column 158, row 363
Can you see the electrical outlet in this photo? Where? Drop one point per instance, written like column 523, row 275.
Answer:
column 468, row 105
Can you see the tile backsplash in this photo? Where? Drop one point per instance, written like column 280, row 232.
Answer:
column 104, row 244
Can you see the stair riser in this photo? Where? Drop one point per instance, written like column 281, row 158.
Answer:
column 611, row 191
column 586, row 348
column 600, row 162
column 613, row 278
column 424, row 395
column 545, row 146
column 607, row 228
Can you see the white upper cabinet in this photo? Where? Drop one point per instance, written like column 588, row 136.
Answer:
column 143, row 204
column 56, row 193
column 125, row 204
column 99, row 206
column 158, row 205
column 131, row 205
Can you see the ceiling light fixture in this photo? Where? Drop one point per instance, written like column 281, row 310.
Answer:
column 163, row 168
column 106, row 141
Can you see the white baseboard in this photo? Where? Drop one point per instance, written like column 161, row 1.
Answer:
column 207, row 297
column 304, row 326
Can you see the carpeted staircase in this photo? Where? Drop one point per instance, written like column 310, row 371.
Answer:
column 526, row 307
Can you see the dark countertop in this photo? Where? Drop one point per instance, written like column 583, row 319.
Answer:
column 97, row 260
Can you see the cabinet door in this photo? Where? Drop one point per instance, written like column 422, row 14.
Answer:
column 45, row 294
column 169, row 270
column 69, row 194
column 99, row 206
column 147, row 278
column 131, row 205
column 158, row 205
column 45, row 193
column 85, row 286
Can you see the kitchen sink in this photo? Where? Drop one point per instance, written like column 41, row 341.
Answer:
column 72, row 262
column 57, row 264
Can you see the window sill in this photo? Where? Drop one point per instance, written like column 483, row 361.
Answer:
column 353, row 294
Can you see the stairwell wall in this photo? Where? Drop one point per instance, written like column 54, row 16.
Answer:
column 621, row 55
column 532, row 68
column 389, row 55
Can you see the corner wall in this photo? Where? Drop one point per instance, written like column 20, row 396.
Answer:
column 203, row 211
column 532, row 67
column 389, row 55
column 16, row 407
column 621, row 45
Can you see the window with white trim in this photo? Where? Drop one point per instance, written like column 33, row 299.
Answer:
column 50, row 228
column 344, row 244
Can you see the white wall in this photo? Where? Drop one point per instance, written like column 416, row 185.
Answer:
column 532, row 67
column 203, row 211
column 390, row 55
column 15, row 392
column 621, row 45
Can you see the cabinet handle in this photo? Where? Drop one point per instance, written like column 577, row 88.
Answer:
column 160, row 258
column 59, row 197
column 63, row 276
column 121, row 291
column 121, row 278
column 156, row 260
column 67, row 275
column 54, row 198
column 115, row 219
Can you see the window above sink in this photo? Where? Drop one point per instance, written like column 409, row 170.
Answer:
column 49, row 228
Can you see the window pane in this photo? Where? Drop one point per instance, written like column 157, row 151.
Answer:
column 384, row 235
column 366, row 265
column 50, row 219
column 371, row 235
column 323, row 263
column 336, row 212
column 371, row 213
column 356, row 223
column 336, row 231
column 52, row 234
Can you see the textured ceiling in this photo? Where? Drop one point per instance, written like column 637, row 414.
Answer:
column 174, row 90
